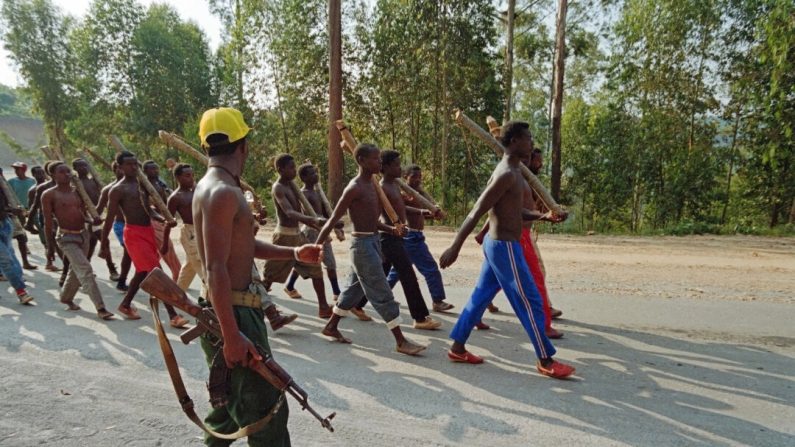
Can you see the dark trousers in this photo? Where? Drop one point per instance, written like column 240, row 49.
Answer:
column 395, row 255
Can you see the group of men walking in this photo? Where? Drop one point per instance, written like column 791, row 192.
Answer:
column 218, row 237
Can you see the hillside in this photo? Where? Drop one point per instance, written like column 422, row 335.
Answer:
column 28, row 132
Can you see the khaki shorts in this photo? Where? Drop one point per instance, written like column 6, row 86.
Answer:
column 278, row 271
column 328, row 253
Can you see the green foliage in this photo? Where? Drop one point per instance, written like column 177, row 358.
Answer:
column 15, row 102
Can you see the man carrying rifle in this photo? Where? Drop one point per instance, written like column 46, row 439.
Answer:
column 224, row 231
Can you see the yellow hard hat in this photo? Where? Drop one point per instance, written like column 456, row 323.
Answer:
column 225, row 121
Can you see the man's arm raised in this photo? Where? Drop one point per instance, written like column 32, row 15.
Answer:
column 219, row 214
column 488, row 198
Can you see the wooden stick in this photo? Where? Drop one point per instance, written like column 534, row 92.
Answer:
column 178, row 143
column 93, row 172
column 349, row 143
column 494, row 128
column 495, row 146
column 154, row 196
column 48, row 153
column 99, row 159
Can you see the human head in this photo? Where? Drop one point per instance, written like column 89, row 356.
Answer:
column 308, row 174
column 50, row 166
column 19, row 168
column 128, row 163
column 61, row 174
column 516, row 138
column 80, row 166
column 285, row 166
column 38, row 173
column 151, row 169
column 223, row 131
column 183, row 172
column 368, row 157
column 536, row 161
column 390, row 163
column 413, row 175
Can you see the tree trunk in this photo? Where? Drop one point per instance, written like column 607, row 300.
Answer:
column 506, row 114
column 444, row 109
column 792, row 212
column 557, row 96
column 335, row 162
column 731, row 166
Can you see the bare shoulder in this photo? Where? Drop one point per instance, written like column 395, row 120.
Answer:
column 219, row 196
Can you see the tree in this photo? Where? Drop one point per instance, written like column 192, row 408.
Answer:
column 557, row 94
column 35, row 33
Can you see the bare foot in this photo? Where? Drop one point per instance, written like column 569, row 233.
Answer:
column 72, row 306
column 336, row 335
column 29, row 267
column 325, row 313
column 51, row 268
column 104, row 314
column 409, row 348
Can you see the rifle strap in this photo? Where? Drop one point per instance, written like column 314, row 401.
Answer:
column 182, row 394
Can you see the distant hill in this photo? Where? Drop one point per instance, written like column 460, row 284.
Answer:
column 27, row 132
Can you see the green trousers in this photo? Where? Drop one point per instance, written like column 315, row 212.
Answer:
column 251, row 396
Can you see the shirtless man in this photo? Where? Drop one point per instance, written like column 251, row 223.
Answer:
column 91, row 185
column 308, row 175
column 395, row 255
column 288, row 216
column 503, row 266
column 225, row 233
column 35, row 208
column 418, row 251
column 38, row 222
column 367, row 277
column 530, row 255
column 9, row 264
column 118, row 228
column 139, row 236
column 63, row 204
column 152, row 172
column 179, row 204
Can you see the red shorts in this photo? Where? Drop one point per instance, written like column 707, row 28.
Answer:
column 141, row 246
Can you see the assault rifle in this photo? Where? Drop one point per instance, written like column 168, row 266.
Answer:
column 163, row 288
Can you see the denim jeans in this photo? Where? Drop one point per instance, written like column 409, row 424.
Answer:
column 367, row 278
column 421, row 257
column 9, row 264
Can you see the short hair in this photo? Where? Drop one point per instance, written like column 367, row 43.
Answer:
column 411, row 168
column 36, row 167
column 303, row 170
column 220, row 145
column 282, row 160
column 114, row 165
column 58, row 165
column 52, row 165
column 388, row 156
column 363, row 150
column 513, row 129
column 149, row 162
column 123, row 155
column 180, row 168
column 76, row 160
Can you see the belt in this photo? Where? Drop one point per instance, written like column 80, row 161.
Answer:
column 363, row 233
column 65, row 231
column 287, row 231
column 246, row 299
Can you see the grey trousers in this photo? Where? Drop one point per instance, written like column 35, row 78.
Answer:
column 75, row 248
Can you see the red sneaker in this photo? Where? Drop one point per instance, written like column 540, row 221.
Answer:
column 554, row 333
column 556, row 370
column 466, row 357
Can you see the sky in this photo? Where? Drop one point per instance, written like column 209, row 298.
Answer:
column 193, row 10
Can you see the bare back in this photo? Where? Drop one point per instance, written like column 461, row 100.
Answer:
column 392, row 192
column 181, row 202
column 235, row 229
